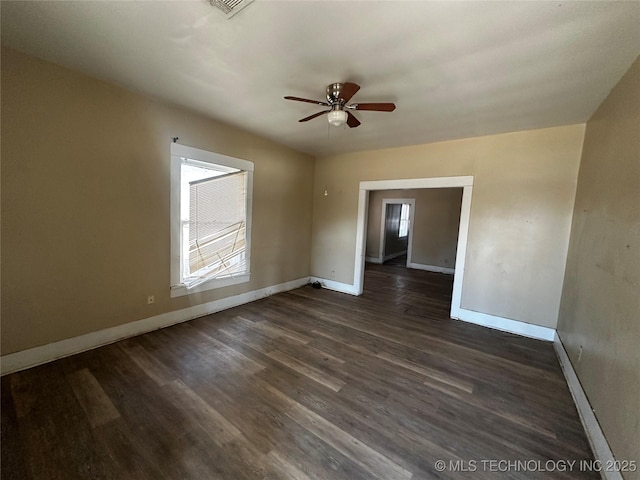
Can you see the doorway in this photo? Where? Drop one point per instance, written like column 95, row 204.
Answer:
column 466, row 182
column 396, row 228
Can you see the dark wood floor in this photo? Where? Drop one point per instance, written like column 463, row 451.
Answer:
column 309, row 384
column 400, row 261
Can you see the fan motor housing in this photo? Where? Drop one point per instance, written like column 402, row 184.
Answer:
column 333, row 93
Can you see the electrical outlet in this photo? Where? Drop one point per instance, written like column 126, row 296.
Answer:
column 150, row 299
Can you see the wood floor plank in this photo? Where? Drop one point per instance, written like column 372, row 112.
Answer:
column 279, row 461
column 253, row 410
column 234, row 445
column 232, row 356
column 255, row 340
column 275, row 331
column 134, row 459
column 307, row 370
column 376, row 464
column 313, row 355
column 372, row 461
column 314, row 457
column 150, row 364
column 96, row 404
column 375, row 424
column 12, row 448
column 427, row 372
column 159, row 433
column 59, row 446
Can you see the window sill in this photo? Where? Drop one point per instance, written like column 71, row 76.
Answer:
column 181, row 290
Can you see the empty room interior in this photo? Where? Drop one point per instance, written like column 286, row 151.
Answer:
column 330, row 240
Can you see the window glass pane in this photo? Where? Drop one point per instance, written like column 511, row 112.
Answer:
column 403, row 231
column 213, row 215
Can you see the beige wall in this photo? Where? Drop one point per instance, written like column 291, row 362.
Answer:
column 85, row 203
column 374, row 218
column 600, row 310
column 524, row 188
column 435, row 224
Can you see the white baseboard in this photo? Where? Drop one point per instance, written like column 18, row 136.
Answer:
column 373, row 259
column 505, row 324
column 35, row 356
column 595, row 435
column 431, row 268
column 336, row 286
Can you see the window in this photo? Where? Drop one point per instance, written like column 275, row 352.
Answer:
column 403, row 231
column 210, row 220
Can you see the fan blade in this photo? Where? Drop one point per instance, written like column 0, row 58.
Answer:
column 311, row 117
column 298, row 99
column 376, row 107
column 348, row 91
column 352, row 121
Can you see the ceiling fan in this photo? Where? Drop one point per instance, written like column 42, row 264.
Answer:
column 338, row 96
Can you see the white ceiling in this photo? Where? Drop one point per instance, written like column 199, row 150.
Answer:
column 454, row 69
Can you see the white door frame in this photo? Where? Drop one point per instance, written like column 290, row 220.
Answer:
column 466, row 182
column 383, row 220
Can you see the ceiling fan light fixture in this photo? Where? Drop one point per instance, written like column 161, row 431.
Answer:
column 338, row 96
column 337, row 117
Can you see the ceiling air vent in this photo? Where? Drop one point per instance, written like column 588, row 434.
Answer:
column 230, row 7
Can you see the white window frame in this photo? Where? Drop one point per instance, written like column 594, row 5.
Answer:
column 178, row 152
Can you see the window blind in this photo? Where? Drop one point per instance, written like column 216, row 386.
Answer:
column 217, row 227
